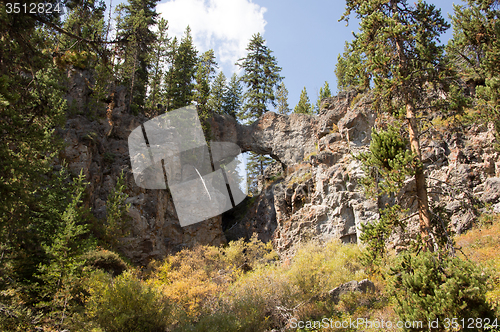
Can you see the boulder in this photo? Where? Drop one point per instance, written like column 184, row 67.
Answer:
column 363, row 286
column 491, row 191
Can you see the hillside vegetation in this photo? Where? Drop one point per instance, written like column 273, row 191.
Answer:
column 65, row 216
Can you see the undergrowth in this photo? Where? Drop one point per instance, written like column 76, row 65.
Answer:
column 245, row 287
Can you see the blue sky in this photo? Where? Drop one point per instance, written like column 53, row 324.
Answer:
column 305, row 36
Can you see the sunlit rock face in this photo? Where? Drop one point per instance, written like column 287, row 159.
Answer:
column 312, row 192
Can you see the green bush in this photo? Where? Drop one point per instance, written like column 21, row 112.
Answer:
column 428, row 286
column 126, row 304
column 105, row 260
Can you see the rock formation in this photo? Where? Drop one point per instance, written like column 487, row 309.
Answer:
column 312, row 192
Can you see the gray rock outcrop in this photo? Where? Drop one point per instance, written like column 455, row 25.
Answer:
column 316, row 196
column 363, row 286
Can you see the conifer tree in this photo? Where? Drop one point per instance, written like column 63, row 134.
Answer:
column 204, row 75
column 304, row 106
column 324, row 92
column 36, row 203
column 475, row 53
column 232, row 97
column 282, row 99
column 351, row 70
column 85, row 19
column 169, row 79
column 158, row 62
column 398, row 42
column 134, row 28
column 217, row 93
column 180, row 78
column 256, row 164
column 261, row 76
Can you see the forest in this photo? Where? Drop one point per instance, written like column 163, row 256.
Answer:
column 62, row 267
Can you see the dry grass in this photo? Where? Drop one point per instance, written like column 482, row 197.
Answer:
column 482, row 246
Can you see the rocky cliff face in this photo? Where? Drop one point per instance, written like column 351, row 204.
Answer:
column 99, row 148
column 312, row 192
column 316, row 193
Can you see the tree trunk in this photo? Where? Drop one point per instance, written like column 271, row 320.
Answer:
column 133, row 80
column 423, row 202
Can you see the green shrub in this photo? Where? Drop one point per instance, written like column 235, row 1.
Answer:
column 126, row 304
column 106, row 260
column 427, row 286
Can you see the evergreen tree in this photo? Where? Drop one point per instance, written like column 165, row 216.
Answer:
column 205, row 71
column 399, row 44
column 256, row 164
column 158, row 63
column 180, row 78
column 217, row 92
column 324, row 92
column 232, row 97
column 282, row 99
column 351, row 70
column 85, row 20
column 304, row 106
column 261, row 76
column 475, row 53
column 169, row 79
column 134, row 28
column 32, row 104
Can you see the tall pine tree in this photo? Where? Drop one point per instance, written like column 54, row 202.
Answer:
column 137, row 17
column 261, row 76
column 475, row 53
column 158, row 63
column 232, row 97
column 351, row 70
column 180, row 78
column 204, row 75
column 217, row 93
column 398, row 42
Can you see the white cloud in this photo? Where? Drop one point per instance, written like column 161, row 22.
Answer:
column 224, row 25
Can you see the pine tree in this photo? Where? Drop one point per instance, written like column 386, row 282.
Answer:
column 180, row 78
column 351, row 70
column 134, row 27
column 157, row 74
column 261, row 76
column 32, row 104
column 475, row 52
column 204, row 75
column 232, row 97
column 169, row 79
column 386, row 168
column 324, row 92
column 399, row 44
column 304, row 106
column 217, row 93
column 282, row 99
column 256, row 164
column 85, row 19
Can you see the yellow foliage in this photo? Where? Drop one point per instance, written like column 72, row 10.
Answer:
column 335, row 129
